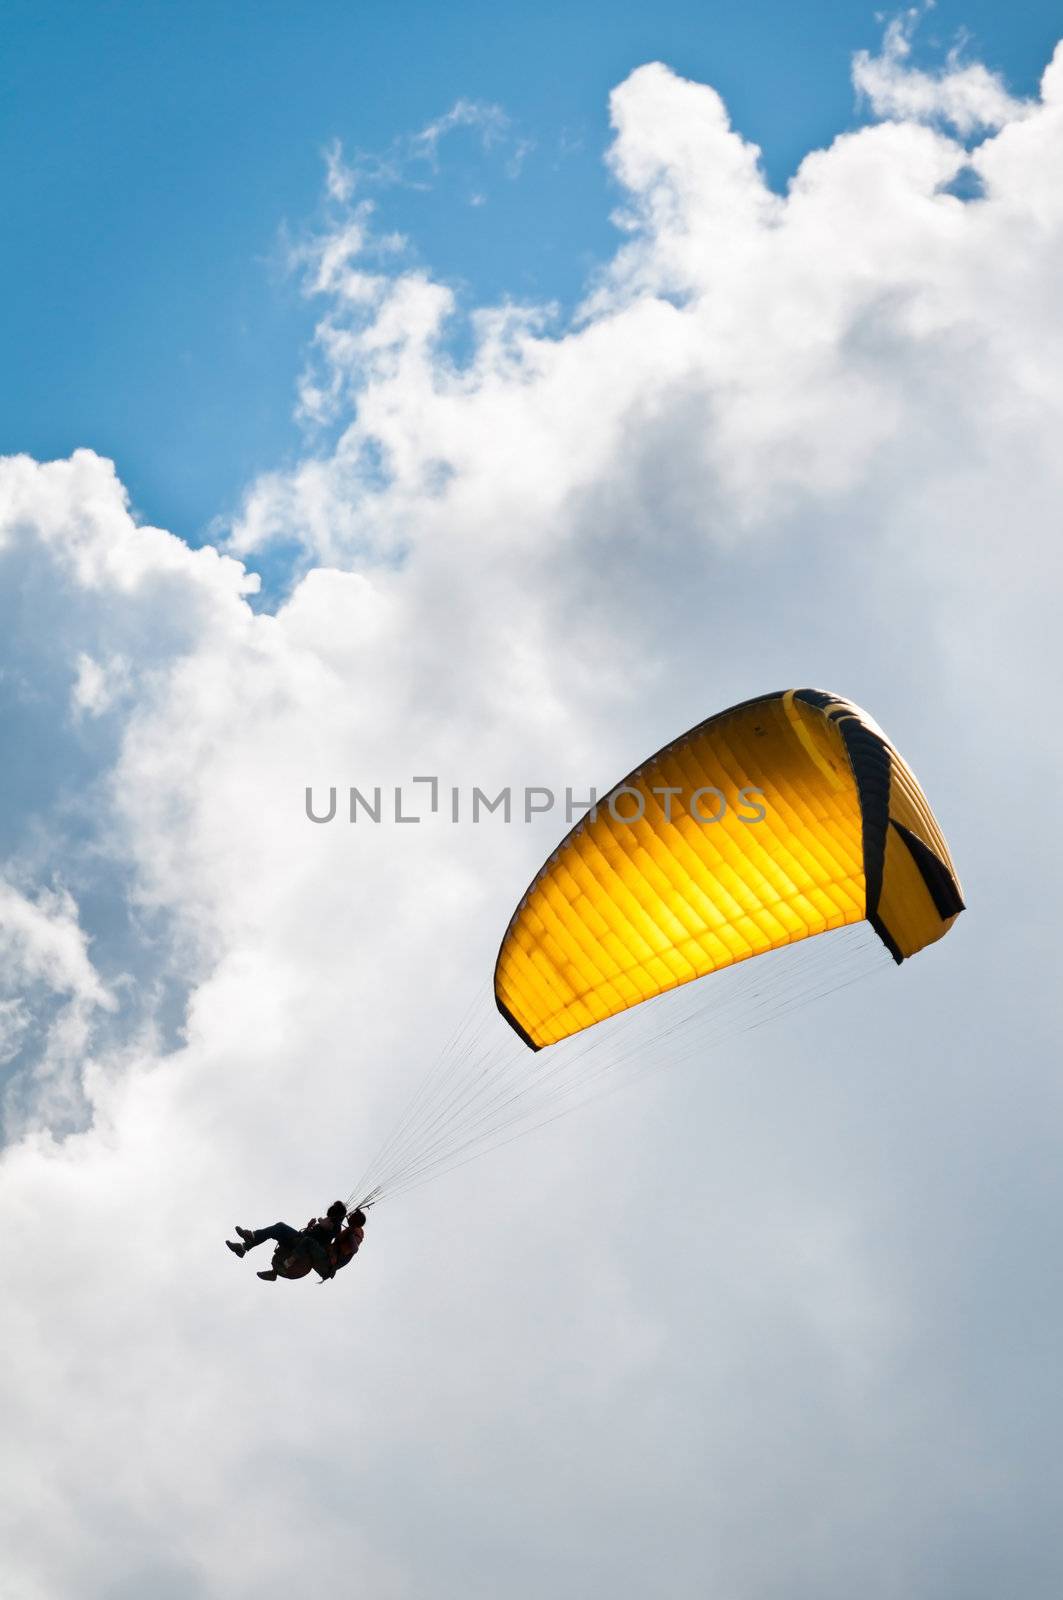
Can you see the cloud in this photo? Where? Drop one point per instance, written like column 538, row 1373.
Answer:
column 49, row 992
column 42, row 942
column 490, row 121
column 965, row 96
column 793, row 439
column 408, row 158
column 99, row 683
column 339, row 179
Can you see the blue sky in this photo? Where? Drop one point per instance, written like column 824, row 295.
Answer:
column 157, row 156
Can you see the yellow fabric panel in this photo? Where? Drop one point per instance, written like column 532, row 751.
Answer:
column 655, row 896
column 624, row 910
column 906, row 906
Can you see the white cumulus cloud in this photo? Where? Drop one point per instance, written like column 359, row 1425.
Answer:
column 964, row 95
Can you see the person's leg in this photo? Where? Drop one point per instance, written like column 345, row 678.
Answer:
column 290, row 1240
column 281, row 1233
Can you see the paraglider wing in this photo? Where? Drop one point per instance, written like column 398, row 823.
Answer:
column 776, row 820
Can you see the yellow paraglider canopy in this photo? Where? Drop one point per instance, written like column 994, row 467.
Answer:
column 778, row 819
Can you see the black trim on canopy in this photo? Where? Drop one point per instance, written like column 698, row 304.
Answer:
column 941, row 885
column 869, row 757
column 887, row 938
column 871, row 768
column 816, row 697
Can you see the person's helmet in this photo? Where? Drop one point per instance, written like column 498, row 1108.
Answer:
column 337, row 1211
column 356, row 1218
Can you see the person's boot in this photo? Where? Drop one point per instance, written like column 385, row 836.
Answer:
column 246, row 1235
column 270, row 1276
column 237, row 1249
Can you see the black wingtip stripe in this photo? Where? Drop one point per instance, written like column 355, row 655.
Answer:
column 941, row 885
column 522, row 1033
